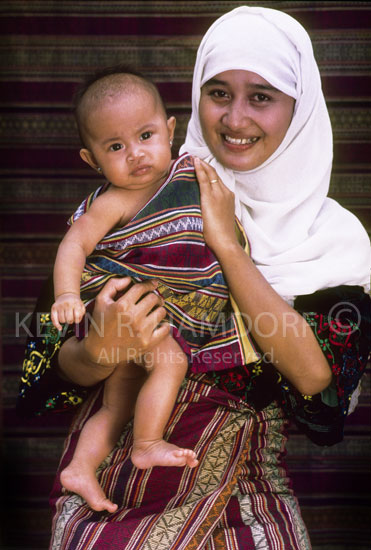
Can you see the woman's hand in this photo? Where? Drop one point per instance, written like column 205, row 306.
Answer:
column 126, row 327
column 277, row 328
column 122, row 329
column 217, row 206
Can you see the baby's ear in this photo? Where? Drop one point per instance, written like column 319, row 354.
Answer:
column 87, row 156
column 171, row 123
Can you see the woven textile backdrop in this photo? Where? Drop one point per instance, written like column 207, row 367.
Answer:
column 46, row 47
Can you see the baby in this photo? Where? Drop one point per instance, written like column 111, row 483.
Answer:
column 128, row 138
column 145, row 223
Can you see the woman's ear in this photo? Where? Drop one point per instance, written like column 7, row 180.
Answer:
column 171, row 123
column 87, row 156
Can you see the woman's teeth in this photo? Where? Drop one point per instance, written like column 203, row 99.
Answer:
column 240, row 141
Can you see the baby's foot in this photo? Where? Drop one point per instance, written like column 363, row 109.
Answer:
column 78, row 479
column 161, row 453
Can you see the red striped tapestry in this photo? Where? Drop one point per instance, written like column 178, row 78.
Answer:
column 46, row 47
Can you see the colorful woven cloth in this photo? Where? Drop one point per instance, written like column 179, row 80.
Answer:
column 238, row 496
column 165, row 241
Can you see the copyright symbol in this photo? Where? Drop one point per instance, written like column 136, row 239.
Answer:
column 347, row 311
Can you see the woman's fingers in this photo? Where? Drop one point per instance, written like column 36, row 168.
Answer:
column 159, row 333
column 217, row 206
column 112, row 287
column 153, row 319
column 207, row 168
column 205, row 174
column 211, row 186
column 146, row 316
column 139, row 291
column 152, row 330
column 131, row 321
column 118, row 284
column 139, row 298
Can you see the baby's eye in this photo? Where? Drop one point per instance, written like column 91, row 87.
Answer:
column 145, row 135
column 116, row 146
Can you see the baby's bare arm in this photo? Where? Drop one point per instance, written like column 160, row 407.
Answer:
column 78, row 243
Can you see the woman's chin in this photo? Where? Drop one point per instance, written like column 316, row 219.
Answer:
column 239, row 162
column 239, row 158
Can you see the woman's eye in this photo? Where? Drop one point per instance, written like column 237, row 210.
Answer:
column 116, row 146
column 145, row 135
column 260, row 98
column 218, row 94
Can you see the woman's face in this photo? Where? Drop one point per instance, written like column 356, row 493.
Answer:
column 243, row 118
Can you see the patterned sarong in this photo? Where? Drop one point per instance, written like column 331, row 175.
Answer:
column 237, row 497
column 165, row 241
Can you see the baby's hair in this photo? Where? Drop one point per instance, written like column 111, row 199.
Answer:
column 110, row 80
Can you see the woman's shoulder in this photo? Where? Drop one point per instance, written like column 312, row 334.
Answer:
column 332, row 300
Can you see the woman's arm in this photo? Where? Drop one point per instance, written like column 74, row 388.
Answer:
column 276, row 327
column 58, row 367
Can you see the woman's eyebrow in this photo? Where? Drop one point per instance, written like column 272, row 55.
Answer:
column 257, row 86
column 215, row 81
column 266, row 87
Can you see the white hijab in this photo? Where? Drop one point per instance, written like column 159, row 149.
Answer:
column 300, row 240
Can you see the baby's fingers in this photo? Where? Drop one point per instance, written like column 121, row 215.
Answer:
column 69, row 314
column 57, row 317
column 78, row 312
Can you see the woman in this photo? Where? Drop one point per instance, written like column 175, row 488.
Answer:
column 259, row 119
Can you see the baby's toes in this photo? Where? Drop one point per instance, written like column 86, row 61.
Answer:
column 180, row 452
column 189, row 453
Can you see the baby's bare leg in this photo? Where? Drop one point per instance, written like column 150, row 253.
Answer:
column 168, row 366
column 101, row 433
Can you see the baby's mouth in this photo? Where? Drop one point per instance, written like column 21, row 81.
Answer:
column 240, row 141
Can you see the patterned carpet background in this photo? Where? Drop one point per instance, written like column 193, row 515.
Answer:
column 45, row 49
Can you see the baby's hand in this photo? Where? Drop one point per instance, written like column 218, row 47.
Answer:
column 67, row 308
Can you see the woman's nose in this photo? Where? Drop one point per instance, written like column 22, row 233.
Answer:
column 237, row 116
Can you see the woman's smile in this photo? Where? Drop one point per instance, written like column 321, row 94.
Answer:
column 240, row 141
column 243, row 118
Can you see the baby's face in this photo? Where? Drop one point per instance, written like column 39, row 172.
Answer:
column 129, row 138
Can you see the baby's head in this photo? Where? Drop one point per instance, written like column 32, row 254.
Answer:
column 123, row 127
